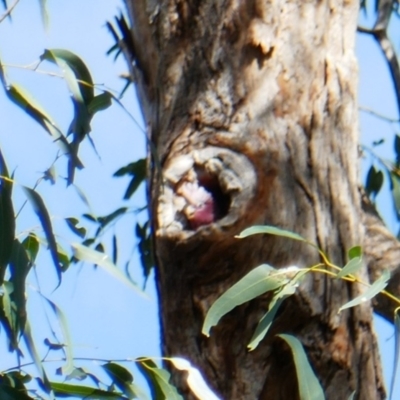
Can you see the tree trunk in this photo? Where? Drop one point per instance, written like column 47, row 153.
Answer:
column 251, row 108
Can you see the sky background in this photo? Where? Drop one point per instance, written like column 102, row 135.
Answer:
column 106, row 319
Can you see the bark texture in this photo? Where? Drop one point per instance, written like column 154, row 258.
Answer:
column 251, row 109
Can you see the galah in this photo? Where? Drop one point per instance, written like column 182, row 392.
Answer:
column 201, row 205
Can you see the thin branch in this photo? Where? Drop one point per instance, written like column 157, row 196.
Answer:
column 8, row 11
column 379, row 32
column 378, row 115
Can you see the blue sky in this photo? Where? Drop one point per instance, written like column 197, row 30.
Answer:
column 106, row 319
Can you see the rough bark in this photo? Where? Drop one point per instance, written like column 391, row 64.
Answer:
column 251, row 107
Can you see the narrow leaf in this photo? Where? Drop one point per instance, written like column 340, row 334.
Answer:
column 351, row 267
column 77, row 75
column 43, row 13
column 395, row 187
column 351, row 397
column 7, row 218
column 397, row 148
column 309, row 386
column 11, row 393
column 102, row 260
column 114, row 249
column 19, row 267
column 83, row 392
column 158, row 380
column 99, row 103
column 29, row 105
column 41, row 211
column 260, row 280
column 266, row 321
column 67, row 345
column 123, row 379
column 271, row 230
column 137, row 170
column 73, row 225
column 195, row 380
column 374, row 181
column 30, row 344
column 372, row 291
column 31, row 246
column 396, row 351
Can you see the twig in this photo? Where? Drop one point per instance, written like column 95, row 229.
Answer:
column 379, row 32
column 8, row 11
column 378, row 115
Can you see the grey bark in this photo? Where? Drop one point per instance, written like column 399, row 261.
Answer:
column 253, row 104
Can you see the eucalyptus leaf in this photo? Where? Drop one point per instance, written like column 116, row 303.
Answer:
column 44, row 217
column 351, row 267
column 123, row 379
column 30, row 106
column 258, row 281
column 266, row 321
column 20, row 266
column 83, row 392
column 31, row 246
column 371, row 292
column 374, row 181
column 396, row 351
column 354, row 252
column 7, row 218
column 91, row 256
column 271, row 230
column 30, row 344
column 309, row 386
column 158, row 380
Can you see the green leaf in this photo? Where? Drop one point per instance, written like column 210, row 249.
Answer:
column 100, row 102
column 104, row 221
column 309, row 386
column 397, row 148
column 354, row 252
column 7, row 218
column 145, row 247
column 43, row 13
column 31, row 246
column 102, row 260
column 374, row 181
column 67, row 346
column 83, row 392
column 80, row 84
column 372, row 291
column 194, row 380
column 351, row 267
column 76, row 73
column 73, row 225
column 41, row 211
column 20, row 266
column 351, row 397
column 29, row 105
column 30, row 344
column 137, row 170
column 266, row 321
column 396, row 351
column 114, row 249
column 158, row 380
column 12, row 386
column 123, row 379
column 11, row 393
column 260, row 280
column 395, row 187
column 271, row 230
